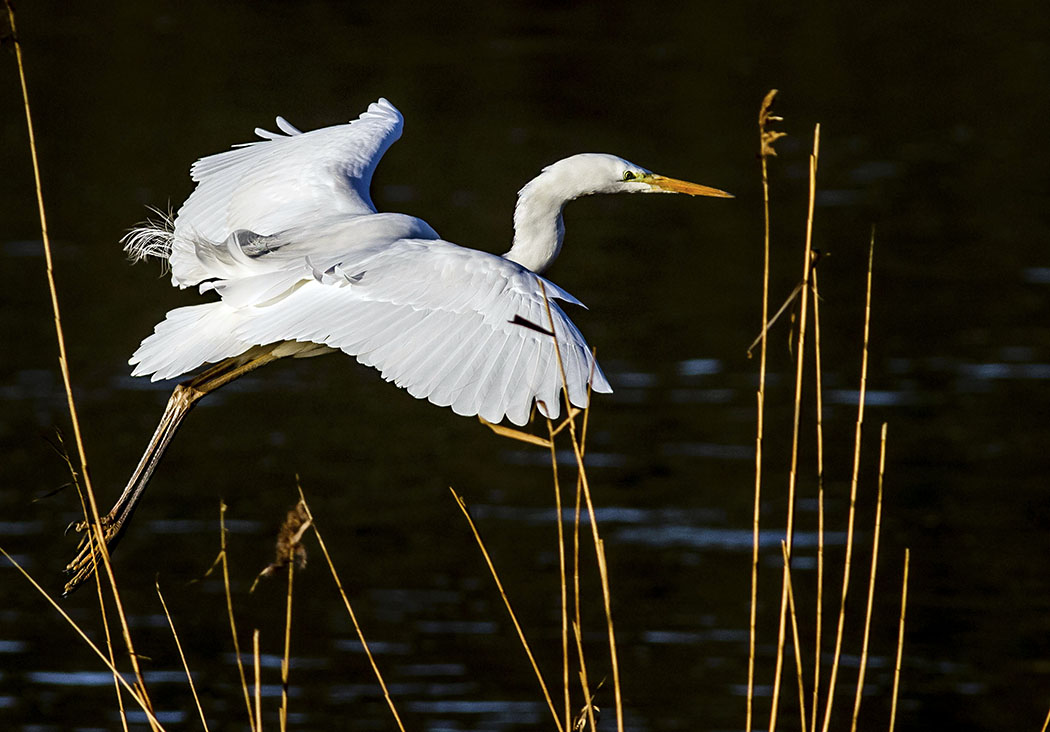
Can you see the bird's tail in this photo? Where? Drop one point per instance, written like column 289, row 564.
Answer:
column 152, row 239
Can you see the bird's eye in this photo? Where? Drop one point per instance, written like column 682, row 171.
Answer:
column 628, row 175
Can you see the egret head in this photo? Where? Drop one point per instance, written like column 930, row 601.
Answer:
column 538, row 225
column 588, row 173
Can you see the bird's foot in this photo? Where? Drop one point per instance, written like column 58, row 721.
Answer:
column 89, row 553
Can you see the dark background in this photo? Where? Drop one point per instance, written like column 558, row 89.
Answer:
column 933, row 131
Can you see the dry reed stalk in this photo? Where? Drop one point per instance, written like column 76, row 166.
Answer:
column 350, row 611
column 584, row 683
column 258, row 680
column 798, row 646
column 820, row 499
column 63, row 363
column 113, row 659
column 603, row 572
column 103, row 614
column 100, row 596
column 561, row 578
column 514, row 434
column 510, row 610
column 807, row 268
column 1046, row 723
column 229, row 611
column 766, row 139
column 121, row 615
column 576, row 557
column 576, row 515
column 900, row 647
column 853, row 492
column 287, row 641
column 871, row 583
column 135, row 691
column 578, row 623
column 182, row 656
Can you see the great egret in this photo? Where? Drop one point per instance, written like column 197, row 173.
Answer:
column 284, row 231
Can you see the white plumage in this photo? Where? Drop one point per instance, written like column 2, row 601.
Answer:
column 284, row 232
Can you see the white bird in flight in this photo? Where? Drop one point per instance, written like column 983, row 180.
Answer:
column 284, row 231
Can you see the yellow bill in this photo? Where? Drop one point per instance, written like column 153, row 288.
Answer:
column 673, row 185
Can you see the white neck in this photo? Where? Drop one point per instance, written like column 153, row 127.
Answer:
column 538, row 226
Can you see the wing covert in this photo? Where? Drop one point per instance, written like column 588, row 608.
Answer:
column 439, row 321
column 276, row 183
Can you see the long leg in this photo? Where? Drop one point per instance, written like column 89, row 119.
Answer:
column 186, row 394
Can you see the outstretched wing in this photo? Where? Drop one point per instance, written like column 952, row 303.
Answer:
column 279, row 182
column 456, row 326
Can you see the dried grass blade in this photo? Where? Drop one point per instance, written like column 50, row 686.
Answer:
column 134, row 691
column 798, row 646
column 182, row 656
column 351, row 613
column 766, row 150
column 510, row 610
column 584, row 683
column 287, row 640
column 561, row 580
column 776, row 316
column 871, row 583
column 900, row 647
column 847, row 565
column 256, row 660
column 515, row 434
column 603, row 572
column 819, row 620
column 229, row 611
column 63, row 360
column 807, row 269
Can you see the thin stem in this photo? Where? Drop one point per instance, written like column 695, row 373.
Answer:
column 102, row 611
column 562, row 582
column 798, row 646
column 871, row 584
column 63, row 361
column 350, row 612
column 900, row 646
column 229, row 611
column 182, row 656
column 807, row 268
column 766, row 150
column 287, row 639
column 576, row 527
column 820, row 500
column 852, row 493
column 258, row 680
column 510, row 610
column 603, row 572
column 584, row 683
column 136, row 691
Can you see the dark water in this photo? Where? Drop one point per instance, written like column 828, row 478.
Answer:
column 933, row 131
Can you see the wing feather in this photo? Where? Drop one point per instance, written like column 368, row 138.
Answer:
column 436, row 319
column 464, row 393
column 284, row 179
